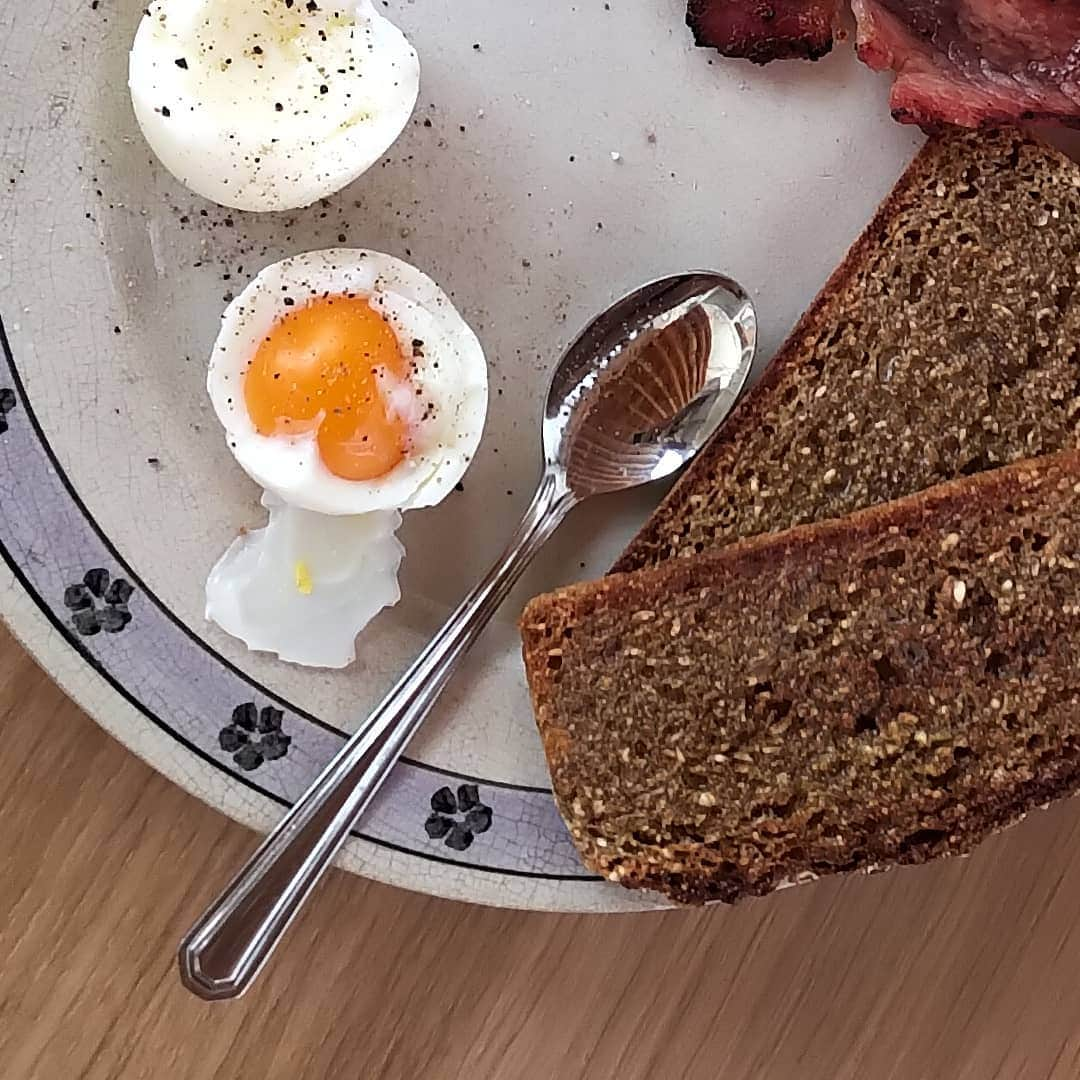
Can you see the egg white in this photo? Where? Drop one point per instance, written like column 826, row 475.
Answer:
column 450, row 379
column 264, row 105
column 305, row 585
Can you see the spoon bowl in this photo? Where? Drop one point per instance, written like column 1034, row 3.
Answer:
column 647, row 382
column 635, row 396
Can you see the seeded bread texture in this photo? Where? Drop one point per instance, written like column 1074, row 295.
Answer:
column 843, row 696
column 947, row 342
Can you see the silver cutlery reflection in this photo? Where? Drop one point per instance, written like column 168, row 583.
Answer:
column 635, row 396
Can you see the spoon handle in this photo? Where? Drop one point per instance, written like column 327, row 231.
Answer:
column 224, row 951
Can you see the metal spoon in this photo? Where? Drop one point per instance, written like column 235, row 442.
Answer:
column 632, row 400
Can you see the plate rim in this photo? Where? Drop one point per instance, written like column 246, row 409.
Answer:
column 114, row 707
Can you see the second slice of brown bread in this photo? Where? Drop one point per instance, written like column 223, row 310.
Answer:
column 849, row 695
column 945, row 344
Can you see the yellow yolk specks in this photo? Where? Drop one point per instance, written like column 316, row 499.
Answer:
column 302, row 577
column 325, row 367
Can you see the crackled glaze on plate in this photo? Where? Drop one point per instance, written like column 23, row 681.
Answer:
column 557, row 158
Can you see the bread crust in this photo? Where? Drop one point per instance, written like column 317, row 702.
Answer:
column 1029, row 496
column 793, row 366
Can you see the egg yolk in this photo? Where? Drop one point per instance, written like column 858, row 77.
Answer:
column 329, row 367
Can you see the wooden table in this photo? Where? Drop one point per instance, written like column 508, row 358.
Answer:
column 967, row 970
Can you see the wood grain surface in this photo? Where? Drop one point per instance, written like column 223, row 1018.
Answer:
column 968, row 969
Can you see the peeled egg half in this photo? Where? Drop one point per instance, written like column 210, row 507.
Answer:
column 305, row 585
column 270, row 104
column 347, row 382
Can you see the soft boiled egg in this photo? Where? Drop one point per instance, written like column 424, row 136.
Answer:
column 270, row 104
column 347, row 382
column 305, row 585
column 350, row 390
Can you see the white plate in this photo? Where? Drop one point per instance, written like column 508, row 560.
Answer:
column 559, row 155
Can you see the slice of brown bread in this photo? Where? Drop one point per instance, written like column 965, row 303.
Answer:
column 946, row 343
column 848, row 695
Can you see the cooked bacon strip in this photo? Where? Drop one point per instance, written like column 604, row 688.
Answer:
column 975, row 62
column 764, row 30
